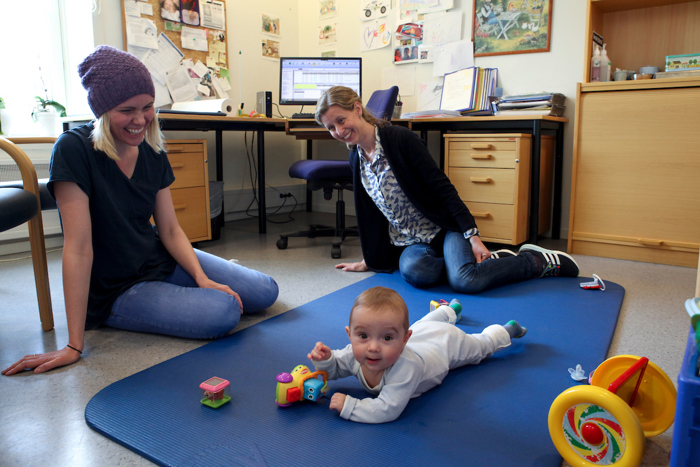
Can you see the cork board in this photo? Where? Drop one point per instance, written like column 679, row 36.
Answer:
column 216, row 39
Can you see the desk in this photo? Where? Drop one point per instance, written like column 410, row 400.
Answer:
column 308, row 129
column 219, row 124
column 534, row 124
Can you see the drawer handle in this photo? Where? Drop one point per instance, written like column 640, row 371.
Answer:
column 481, row 214
column 648, row 242
column 480, row 180
column 180, row 206
column 481, row 146
column 177, row 165
column 175, row 148
column 480, row 156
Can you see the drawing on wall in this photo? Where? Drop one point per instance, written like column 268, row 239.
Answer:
column 270, row 48
column 375, row 35
column 270, row 25
column 407, row 38
column 373, row 9
column 189, row 12
column 502, row 27
column 327, row 34
column 330, row 53
column 416, row 4
column 327, row 9
column 170, row 10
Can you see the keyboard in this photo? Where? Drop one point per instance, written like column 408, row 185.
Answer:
column 304, row 115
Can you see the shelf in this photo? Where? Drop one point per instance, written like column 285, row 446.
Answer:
column 642, row 32
column 666, row 83
column 610, row 6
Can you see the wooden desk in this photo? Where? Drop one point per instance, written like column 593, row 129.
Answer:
column 534, row 124
column 219, row 124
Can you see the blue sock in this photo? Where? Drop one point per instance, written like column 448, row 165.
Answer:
column 457, row 307
column 514, row 329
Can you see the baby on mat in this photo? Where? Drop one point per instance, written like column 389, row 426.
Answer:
column 396, row 363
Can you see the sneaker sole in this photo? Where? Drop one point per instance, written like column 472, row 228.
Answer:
column 546, row 250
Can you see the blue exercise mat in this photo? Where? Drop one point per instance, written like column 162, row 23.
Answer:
column 491, row 414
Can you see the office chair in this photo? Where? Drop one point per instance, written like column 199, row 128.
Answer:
column 329, row 175
column 21, row 202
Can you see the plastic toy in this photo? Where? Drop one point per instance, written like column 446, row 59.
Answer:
column 606, row 423
column 455, row 304
column 215, row 392
column 577, row 374
column 300, row 384
column 597, row 283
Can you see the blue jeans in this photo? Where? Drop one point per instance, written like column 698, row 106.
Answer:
column 424, row 265
column 177, row 307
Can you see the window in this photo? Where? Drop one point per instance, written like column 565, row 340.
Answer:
column 42, row 46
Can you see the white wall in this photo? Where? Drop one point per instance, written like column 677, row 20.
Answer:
column 556, row 71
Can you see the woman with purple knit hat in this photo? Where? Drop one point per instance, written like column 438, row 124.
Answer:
column 108, row 178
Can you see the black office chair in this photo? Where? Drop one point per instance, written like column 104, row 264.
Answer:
column 22, row 202
column 329, row 175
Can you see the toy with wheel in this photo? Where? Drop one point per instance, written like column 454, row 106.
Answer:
column 606, row 423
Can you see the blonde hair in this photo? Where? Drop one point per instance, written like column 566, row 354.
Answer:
column 103, row 140
column 344, row 98
column 381, row 299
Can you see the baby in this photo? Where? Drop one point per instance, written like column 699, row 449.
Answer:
column 394, row 368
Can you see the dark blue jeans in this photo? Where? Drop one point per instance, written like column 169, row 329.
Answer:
column 424, row 265
column 177, row 307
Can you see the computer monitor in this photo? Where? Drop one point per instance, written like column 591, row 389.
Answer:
column 304, row 79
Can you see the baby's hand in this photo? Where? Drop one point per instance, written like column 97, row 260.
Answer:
column 320, row 352
column 337, row 402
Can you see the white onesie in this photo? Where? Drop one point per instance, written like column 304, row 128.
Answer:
column 435, row 347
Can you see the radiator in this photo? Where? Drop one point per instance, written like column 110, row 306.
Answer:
column 10, row 172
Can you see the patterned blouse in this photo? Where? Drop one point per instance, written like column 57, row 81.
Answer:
column 406, row 224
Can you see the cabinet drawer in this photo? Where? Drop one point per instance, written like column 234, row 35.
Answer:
column 188, row 169
column 191, row 211
column 495, row 221
column 482, row 153
column 175, row 147
column 484, row 185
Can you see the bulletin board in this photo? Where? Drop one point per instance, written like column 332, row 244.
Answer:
column 216, row 38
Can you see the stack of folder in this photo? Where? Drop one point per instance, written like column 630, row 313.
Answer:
column 467, row 91
column 545, row 103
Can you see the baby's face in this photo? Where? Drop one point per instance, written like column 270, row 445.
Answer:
column 378, row 337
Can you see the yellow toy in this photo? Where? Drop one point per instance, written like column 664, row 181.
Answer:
column 300, row 384
column 606, row 423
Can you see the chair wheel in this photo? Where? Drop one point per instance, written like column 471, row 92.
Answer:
column 282, row 243
column 335, row 251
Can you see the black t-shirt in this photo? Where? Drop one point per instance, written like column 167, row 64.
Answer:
column 126, row 247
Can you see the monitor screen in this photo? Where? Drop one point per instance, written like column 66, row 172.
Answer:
column 304, row 79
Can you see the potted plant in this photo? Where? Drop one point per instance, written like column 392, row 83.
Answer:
column 43, row 104
column 47, row 111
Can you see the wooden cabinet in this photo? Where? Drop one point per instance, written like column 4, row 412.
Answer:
column 491, row 173
column 634, row 191
column 190, row 191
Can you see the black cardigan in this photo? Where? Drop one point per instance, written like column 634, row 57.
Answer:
column 425, row 185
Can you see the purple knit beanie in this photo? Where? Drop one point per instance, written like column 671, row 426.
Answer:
column 112, row 77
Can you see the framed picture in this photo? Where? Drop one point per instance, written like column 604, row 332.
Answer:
column 502, row 27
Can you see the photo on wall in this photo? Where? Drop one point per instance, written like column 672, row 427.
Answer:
column 503, row 27
column 270, row 25
column 270, row 48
